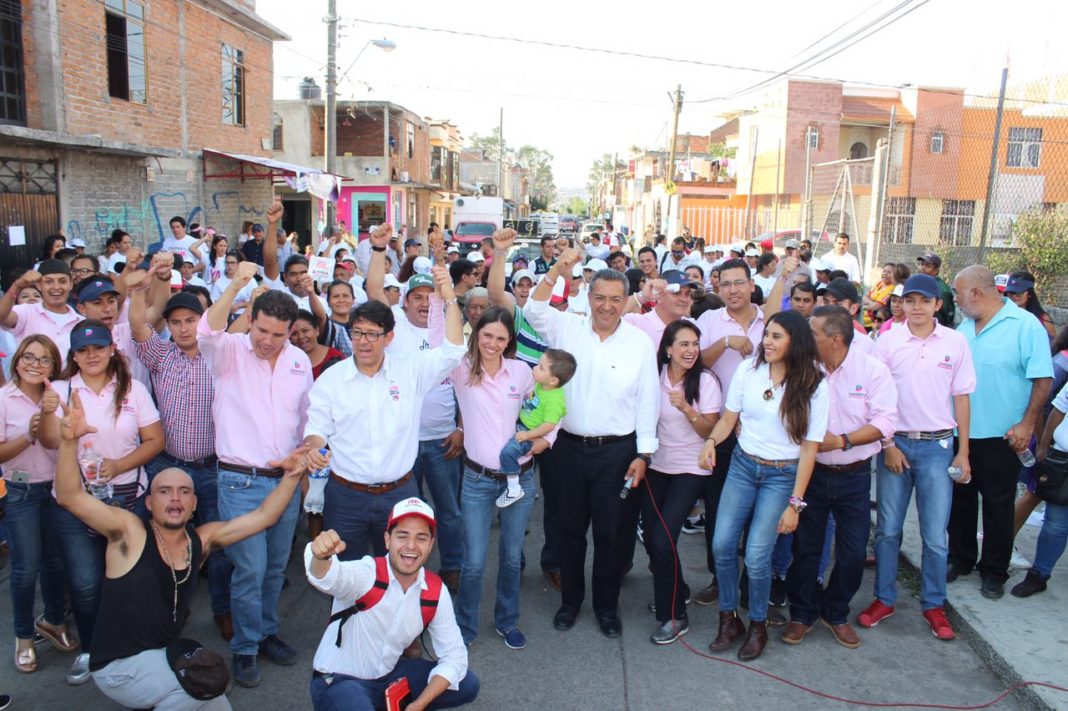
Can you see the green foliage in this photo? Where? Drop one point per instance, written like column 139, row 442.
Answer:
column 576, row 206
column 1042, row 237
column 720, row 150
column 540, row 164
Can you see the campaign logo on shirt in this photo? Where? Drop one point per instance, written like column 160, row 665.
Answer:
column 126, row 406
column 858, row 391
column 513, row 393
column 394, row 391
column 947, row 363
column 297, row 369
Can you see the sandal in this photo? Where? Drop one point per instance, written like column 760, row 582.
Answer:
column 25, row 657
column 58, row 635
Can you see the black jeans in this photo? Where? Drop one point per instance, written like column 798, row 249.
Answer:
column 548, row 470
column 846, row 495
column 674, row 495
column 995, row 468
column 590, row 480
column 713, row 487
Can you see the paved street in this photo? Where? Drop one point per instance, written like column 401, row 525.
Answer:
column 899, row 662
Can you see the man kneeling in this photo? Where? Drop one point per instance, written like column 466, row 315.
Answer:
column 380, row 607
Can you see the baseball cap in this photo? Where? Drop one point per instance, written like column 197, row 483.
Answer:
column 1000, row 281
column 257, row 227
column 422, row 265
column 676, row 280
column 767, row 244
column 522, row 274
column 94, row 289
column 411, row 507
column 475, row 256
column 176, row 279
column 348, row 258
column 930, row 258
column 899, row 290
column 843, row 290
column 419, row 280
column 77, row 242
column 751, row 252
column 182, row 300
column 390, row 282
column 1018, row 285
column 711, row 249
column 87, row 334
column 596, row 265
column 520, row 258
column 793, row 244
column 576, row 271
column 453, row 249
column 411, row 243
column 737, row 247
column 53, row 266
column 820, row 266
column 922, row 284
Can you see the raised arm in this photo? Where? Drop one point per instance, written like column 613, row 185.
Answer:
column 270, row 240
column 160, row 291
column 8, row 317
column 773, row 302
column 139, row 284
column 220, row 310
column 241, row 323
column 374, row 284
column 454, row 323
column 502, row 242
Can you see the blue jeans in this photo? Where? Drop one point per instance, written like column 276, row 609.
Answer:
column 360, row 518
column 346, row 693
column 34, row 550
column 441, row 477
column 259, row 561
column 83, row 561
column 479, row 497
column 205, row 485
column 513, row 451
column 762, row 492
column 783, row 554
column 1052, row 539
column 934, row 496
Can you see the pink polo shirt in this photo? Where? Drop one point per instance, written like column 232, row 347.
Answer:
column 715, row 326
column 491, row 408
column 680, row 446
column 115, row 437
column 245, row 383
column 862, row 393
column 35, row 318
column 928, row 373
column 650, row 323
column 16, row 409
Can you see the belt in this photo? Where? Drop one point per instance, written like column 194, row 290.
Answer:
column 203, row 463
column 846, row 468
column 373, row 489
column 777, row 463
column 495, row 473
column 595, row 441
column 936, row 435
column 270, row 472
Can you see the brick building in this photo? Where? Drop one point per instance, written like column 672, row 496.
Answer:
column 106, row 105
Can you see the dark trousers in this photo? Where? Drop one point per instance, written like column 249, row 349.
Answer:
column 845, row 495
column 336, row 692
column 360, row 518
column 994, row 470
column 713, row 487
column 549, row 472
column 673, row 495
column 590, row 481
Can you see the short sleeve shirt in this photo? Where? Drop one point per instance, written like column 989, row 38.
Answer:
column 542, row 406
column 764, row 433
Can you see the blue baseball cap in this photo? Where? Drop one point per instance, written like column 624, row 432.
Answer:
column 922, row 284
column 1018, row 285
column 93, row 289
column 678, row 279
column 88, row 334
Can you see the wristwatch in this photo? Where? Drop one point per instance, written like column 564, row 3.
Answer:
column 846, row 444
column 645, row 458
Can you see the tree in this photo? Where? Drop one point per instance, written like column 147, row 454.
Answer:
column 720, row 150
column 491, row 145
column 539, row 163
column 1042, row 239
column 576, row 206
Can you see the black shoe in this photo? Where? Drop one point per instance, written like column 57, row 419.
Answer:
column 565, row 618
column 1033, row 583
column 611, row 626
column 278, row 651
column 776, row 618
column 992, row 589
column 954, row 571
column 246, row 670
column 685, row 596
column 778, row 592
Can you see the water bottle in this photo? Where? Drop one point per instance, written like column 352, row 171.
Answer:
column 90, row 460
column 955, row 473
column 1026, row 458
column 313, row 501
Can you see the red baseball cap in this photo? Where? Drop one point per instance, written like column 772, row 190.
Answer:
column 411, row 507
column 767, row 244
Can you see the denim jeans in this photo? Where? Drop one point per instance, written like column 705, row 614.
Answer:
column 1052, row 539
column 83, row 562
column 783, row 554
column 35, row 551
column 205, row 485
column 479, row 497
column 346, row 693
column 513, row 451
column 712, row 491
column 763, row 492
column 929, row 461
column 259, row 561
column 845, row 495
column 360, row 518
column 442, row 477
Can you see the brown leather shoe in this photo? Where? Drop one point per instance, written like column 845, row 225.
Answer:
column 58, row 635
column 225, row 623
column 730, row 629
column 707, row 595
column 844, row 633
column 451, row 578
column 755, row 641
column 553, row 576
column 795, row 632
column 413, row 650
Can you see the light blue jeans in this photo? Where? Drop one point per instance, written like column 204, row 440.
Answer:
column 259, row 561
column 934, row 495
column 35, row 552
column 763, row 492
column 1052, row 539
column 479, row 506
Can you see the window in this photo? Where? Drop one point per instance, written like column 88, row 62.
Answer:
column 438, row 158
column 411, row 140
column 955, row 227
column 413, row 213
column 233, row 86
column 898, row 219
column 12, row 77
column 857, row 151
column 813, row 138
column 125, row 25
column 1025, row 147
column 278, row 134
column 938, row 142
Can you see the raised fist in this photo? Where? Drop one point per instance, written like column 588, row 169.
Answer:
column 327, row 544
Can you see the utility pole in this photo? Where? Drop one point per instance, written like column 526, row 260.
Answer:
column 500, row 156
column 674, row 132
column 991, row 177
column 330, row 111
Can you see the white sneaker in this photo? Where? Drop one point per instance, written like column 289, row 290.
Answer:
column 1018, row 561
column 79, row 671
column 508, row 498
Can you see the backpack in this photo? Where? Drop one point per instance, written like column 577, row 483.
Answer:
column 428, row 599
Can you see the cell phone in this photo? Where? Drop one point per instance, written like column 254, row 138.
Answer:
column 398, row 695
column 18, row 477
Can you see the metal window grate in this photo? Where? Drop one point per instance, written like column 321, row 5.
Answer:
column 27, row 177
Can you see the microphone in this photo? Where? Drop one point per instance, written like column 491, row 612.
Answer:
column 627, row 486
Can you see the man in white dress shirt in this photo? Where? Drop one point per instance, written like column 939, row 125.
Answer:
column 841, row 258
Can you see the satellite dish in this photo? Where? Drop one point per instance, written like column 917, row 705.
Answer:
column 459, row 202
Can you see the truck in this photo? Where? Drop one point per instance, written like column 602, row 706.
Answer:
column 548, row 223
column 475, row 218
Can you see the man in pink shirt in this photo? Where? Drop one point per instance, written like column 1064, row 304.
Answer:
column 673, row 298
column 259, row 372
column 52, row 317
column 863, row 412
column 932, row 368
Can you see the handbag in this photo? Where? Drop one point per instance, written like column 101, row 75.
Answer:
column 201, row 672
column 1051, row 479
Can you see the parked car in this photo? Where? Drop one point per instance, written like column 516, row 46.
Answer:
column 469, row 235
column 589, row 228
column 568, row 224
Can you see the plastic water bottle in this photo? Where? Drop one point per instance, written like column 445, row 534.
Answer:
column 955, row 473
column 90, row 460
column 1026, row 458
column 313, row 502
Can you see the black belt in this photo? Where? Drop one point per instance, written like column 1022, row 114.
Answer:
column 204, row 463
column 932, row 436
column 846, row 468
column 595, row 441
column 494, row 473
column 271, row 472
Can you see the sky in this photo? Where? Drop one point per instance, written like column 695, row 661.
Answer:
column 581, row 104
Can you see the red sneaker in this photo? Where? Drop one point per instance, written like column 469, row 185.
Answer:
column 936, row 618
column 876, row 613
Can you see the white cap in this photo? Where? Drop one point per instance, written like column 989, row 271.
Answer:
column 176, row 279
column 390, row 282
column 738, row 247
column 77, row 242
column 576, row 271
column 625, row 249
column 898, row 290
column 596, row 265
column 752, row 252
column 411, row 507
column 422, row 265
column 523, row 274
column 453, row 249
column 819, row 265
column 711, row 249
column 475, row 256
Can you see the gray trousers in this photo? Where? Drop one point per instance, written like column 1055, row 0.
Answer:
column 145, row 680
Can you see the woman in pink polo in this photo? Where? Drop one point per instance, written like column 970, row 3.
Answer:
column 690, row 401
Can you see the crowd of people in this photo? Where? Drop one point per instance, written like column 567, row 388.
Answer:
column 747, row 390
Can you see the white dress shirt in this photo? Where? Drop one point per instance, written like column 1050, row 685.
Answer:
column 373, row 640
column 616, row 387
column 372, row 423
column 846, row 262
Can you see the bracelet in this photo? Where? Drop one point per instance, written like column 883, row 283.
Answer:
column 713, row 441
column 726, row 343
column 378, row 249
column 547, row 280
column 695, row 417
column 452, row 301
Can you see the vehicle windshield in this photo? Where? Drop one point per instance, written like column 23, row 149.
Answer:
column 481, row 229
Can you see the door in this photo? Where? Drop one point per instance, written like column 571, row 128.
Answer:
column 27, row 200
column 298, row 218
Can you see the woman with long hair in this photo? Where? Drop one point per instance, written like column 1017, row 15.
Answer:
column 51, row 245
column 28, row 472
column 215, row 262
column 407, row 270
column 690, row 401
column 782, row 403
column 127, row 436
column 1021, row 291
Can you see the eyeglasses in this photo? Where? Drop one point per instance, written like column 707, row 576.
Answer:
column 738, row 284
column 82, row 271
column 31, row 359
column 370, row 336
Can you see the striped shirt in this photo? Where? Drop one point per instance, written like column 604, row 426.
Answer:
column 529, row 345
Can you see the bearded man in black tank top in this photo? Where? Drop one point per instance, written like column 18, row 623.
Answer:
column 151, row 570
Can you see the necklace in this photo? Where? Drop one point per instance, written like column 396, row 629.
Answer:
column 170, row 565
column 770, row 392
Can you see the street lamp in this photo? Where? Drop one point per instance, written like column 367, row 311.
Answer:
column 386, row 45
